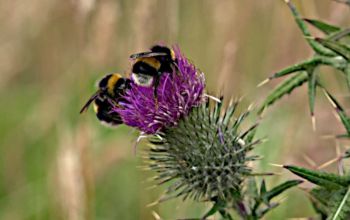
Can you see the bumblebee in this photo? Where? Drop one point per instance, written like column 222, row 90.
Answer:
column 111, row 88
column 149, row 66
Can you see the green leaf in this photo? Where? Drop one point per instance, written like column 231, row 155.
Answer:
column 305, row 65
column 347, row 74
column 342, row 136
column 284, row 88
column 327, row 180
column 337, row 47
column 225, row 215
column 249, row 134
column 279, row 189
column 262, row 212
column 320, row 198
column 318, row 48
column 322, row 26
column 347, row 2
column 346, row 154
column 312, row 84
column 252, row 188
column 339, row 35
column 341, row 112
column 335, row 62
column 263, row 187
column 342, row 210
column 218, row 205
column 334, row 204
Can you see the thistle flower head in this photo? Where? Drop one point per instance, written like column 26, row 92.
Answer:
column 205, row 155
column 178, row 93
column 198, row 145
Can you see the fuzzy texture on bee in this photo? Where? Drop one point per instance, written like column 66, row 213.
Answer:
column 111, row 89
column 178, row 94
column 149, row 66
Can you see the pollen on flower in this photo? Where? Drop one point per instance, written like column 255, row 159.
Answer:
column 178, row 93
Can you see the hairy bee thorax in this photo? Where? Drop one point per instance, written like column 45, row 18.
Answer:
column 110, row 90
column 151, row 61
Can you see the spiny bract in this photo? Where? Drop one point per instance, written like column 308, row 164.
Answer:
column 205, row 154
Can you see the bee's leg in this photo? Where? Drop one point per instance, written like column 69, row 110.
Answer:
column 112, row 102
column 171, row 74
column 155, row 91
column 177, row 69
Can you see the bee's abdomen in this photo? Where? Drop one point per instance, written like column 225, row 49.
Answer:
column 146, row 68
column 166, row 67
column 121, row 86
column 105, row 114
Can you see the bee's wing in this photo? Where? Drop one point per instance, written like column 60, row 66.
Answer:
column 87, row 104
column 147, row 54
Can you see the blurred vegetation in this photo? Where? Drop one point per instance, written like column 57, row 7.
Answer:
column 56, row 164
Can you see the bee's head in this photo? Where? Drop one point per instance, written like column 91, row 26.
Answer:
column 103, row 83
column 170, row 54
column 120, row 86
column 113, row 84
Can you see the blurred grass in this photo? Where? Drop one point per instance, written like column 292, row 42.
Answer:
column 56, row 164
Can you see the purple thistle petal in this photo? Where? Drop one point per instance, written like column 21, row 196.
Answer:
column 178, row 93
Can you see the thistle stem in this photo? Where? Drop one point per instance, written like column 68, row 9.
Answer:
column 239, row 205
column 225, row 215
column 241, row 208
column 318, row 48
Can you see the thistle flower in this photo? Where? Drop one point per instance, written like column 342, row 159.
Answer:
column 197, row 145
column 205, row 155
column 178, row 93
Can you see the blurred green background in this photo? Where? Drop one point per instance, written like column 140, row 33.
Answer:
column 57, row 164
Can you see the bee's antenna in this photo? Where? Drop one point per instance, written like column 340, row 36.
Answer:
column 147, row 54
column 136, row 55
column 87, row 104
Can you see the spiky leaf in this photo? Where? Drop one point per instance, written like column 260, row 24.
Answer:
column 284, row 88
column 339, row 35
column 252, row 188
column 327, row 180
column 318, row 48
column 346, row 154
column 263, row 187
column 262, row 212
column 331, row 203
column 337, row 47
column 217, row 206
column 320, row 198
column 277, row 190
column 311, row 64
column 312, row 84
column 347, row 2
column 322, row 26
column 347, row 74
column 339, row 109
column 305, row 65
column 341, row 205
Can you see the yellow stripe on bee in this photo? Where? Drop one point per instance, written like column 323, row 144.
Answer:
column 112, row 81
column 172, row 54
column 95, row 107
column 153, row 62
